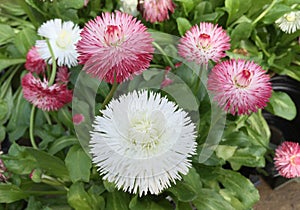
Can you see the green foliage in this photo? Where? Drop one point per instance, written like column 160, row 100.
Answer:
column 59, row 174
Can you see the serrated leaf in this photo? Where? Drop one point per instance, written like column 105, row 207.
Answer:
column 78, row 164
column 282, row 105
column 10, row 193
column 183, row 25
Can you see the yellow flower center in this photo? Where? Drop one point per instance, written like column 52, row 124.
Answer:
column 64, row 39
column 290, row 17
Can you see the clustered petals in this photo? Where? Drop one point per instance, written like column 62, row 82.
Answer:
column 142, row 142
column 115, row 45
column 47, row 98
column 34, row 63
column 287, row 159
column 156, row 10
column 239, row 86
column 203, row 43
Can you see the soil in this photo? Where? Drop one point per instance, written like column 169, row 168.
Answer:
column 285, row 197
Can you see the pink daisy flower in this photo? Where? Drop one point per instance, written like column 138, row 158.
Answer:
column 47, row 98
column 239, row 86
column 287, row 159
column 156, row 10
column 34, row 63
column 115, row 44
column 203, row 43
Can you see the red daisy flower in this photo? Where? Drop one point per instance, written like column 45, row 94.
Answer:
column 47, row 98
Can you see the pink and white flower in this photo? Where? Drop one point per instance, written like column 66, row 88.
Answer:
column 203, row 43
column 34, row 63
column 115, row 44
column 239, row 86
column 47, row 98
column 287, row 159
column 156, row 10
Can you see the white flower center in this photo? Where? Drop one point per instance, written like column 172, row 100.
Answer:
column 145, row 131
column 64, row 39
column 113, row 35
column 204, row 41
column 290, row 17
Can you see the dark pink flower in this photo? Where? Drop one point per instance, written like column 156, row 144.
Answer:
column 115, row 44
column 156, row 10
column 287, row 159
column 203, row 43
column 47, row 98
column 34, row 63
column 62, row 75
column 77, row 119
column 239, row 86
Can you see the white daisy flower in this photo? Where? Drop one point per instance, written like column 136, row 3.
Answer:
column 129, row 7
column 62, row 37
column 143, row 142
column 290, row 22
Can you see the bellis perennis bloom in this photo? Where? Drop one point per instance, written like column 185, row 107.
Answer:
column 47, row 98
column 142, row 142
column 287, row 159
column 34, row 63
column 290, row 22
column 62, row 37
column 239, row 86
column 156, row 10
column 115, row 44
column 203, row 43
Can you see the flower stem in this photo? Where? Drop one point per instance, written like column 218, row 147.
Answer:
column 31, row 125
column 53, row 72
column 203, row 68
column 164, row 54
column 259, row 42
column 110, row 94
column 264, row 12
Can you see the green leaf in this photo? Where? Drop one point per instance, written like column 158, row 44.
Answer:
column 252, row 156
column 66, row 4
column 232, row 7
column 78, row 164
column 62, row 143
column 3, row 109
column 183, row 25
column 240, row 187
column 78, row 198
column 51, row 164
column 276, row 12
column 6, row 34
column 225, row 151
column 184, row 192
column 187, row 5
column 209, row 199
column 10, row 193
column 2, row 133
column 282, row 105
column 137, row 203
column 240, row 32
column 25, row 39
column 117, row 200
column 6, row 62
